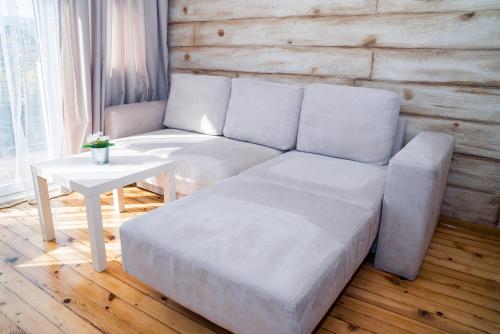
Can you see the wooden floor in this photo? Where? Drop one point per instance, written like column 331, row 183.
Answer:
column 51, row 287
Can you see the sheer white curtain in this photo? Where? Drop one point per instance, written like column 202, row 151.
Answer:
column 30, row 92
column 47, row 19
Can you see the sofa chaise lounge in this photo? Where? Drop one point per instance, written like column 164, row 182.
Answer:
column 266, row 244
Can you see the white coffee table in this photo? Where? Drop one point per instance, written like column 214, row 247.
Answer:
column 78, row 173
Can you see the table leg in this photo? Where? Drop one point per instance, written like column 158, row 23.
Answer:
column 96, row 233
column 169, row 192
column 118, row 200
column 43, row 201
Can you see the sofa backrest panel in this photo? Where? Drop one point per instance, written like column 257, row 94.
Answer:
column 399, row 138
column 349, row 122
column 198, row 103
column 265, row 113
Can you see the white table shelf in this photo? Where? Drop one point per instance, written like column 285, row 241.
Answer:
column 78, row 173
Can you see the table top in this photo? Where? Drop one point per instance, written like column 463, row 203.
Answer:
column 78, row 172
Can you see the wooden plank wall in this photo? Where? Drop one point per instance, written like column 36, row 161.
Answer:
column 442, row 57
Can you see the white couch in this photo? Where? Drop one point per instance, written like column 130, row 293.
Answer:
column 288, row 190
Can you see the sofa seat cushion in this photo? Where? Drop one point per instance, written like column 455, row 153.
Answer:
column 163, row 142
column 352, row 123
column 202, row 160
column 250, row 255
column 198, row 103
column 265, row 113
column 354, row 182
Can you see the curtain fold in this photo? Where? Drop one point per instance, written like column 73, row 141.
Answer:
column 156, row 13
column 76, row 71
column 114, row 52
column 47, row 18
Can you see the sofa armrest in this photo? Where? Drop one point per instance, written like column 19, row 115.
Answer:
column 135, row 118
column 414, row 190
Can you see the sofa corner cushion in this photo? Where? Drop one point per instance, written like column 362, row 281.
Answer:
column 198, row 103
column 265, row 113
column 353, row 182
column 349, row 122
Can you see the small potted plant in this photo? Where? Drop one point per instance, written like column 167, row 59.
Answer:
column 99, row 146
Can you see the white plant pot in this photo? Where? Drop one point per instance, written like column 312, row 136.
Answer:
column 100, row 156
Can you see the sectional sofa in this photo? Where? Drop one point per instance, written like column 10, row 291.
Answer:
column 288, row 188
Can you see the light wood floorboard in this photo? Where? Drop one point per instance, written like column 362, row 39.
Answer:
column 51, row 287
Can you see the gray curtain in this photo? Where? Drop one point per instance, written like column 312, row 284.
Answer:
column 113, row 52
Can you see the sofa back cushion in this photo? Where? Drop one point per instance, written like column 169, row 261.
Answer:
column 399, row 138
column 198, row 103
column 264, row 113
column 349, row 122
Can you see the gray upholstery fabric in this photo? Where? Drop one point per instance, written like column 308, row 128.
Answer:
column 202, row 160
column 265, row 113
column 198, row 103
column 400, row 136
column 415, row 184
column 131, row 119
column 250, row 258
column 348, row 122
column 269, row 250
column 354, row 182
